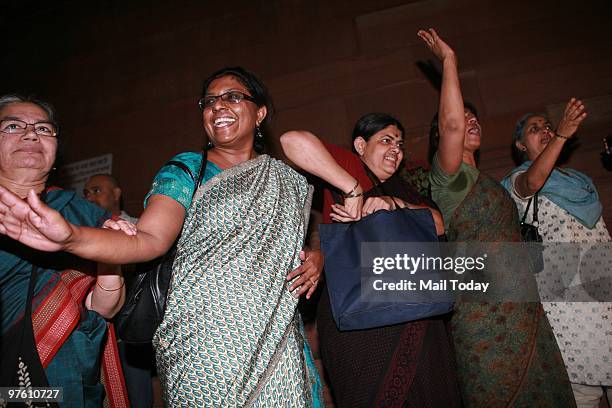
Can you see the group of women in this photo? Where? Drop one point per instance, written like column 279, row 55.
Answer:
column 231, row 335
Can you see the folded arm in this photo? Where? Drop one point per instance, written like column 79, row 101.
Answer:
column 306, row 151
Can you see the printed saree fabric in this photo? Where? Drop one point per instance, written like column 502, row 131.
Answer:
column 69, row 338
column 230, row 334
column 506, row 352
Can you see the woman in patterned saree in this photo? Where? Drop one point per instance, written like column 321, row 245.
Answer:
column 506, row 353
column 408, row 364
column 58, row 339
column 569, row 210
column 231, row 335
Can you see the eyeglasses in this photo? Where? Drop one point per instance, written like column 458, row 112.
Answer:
column 233, row 97
column 19, row 127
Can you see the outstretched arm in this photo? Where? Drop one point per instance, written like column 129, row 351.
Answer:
column 529, row 182
column 307, row 152
column 451, row 118
column 34, row 224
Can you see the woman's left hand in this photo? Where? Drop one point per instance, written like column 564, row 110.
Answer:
column 573, row 116
column 374, row 204
column 308, row 273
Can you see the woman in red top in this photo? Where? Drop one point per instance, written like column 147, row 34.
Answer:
column 409, row 364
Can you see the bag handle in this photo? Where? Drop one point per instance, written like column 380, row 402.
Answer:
column 187, row 170
column 534, row 198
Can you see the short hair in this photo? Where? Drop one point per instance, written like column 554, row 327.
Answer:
column 434, row 133
column 368, row 125
column 10, row 99
column 518, row 155
column 114, row 181
column 256, row 89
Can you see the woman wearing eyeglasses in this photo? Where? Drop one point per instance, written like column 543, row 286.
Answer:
column 569, row 211
column 52, row 306
column 408, row 364
column 231, row 334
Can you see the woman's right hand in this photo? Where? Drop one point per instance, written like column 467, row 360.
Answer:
column 349, row 211
column 573, row 116
column 33, row 223
column 440, row 49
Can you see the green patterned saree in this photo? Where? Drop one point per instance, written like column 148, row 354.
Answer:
column 506, row 353
column 231, row 336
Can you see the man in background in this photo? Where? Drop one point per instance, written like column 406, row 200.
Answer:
column 104, row 190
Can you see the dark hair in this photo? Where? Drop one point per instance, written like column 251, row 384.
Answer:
column 434, row 133
column 10, row 99
column 368, row 125
column 256, row 89
column 518, row 155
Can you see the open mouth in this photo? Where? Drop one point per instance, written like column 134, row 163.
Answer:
column 223, row 121
column 545, row 140
column 474, row 130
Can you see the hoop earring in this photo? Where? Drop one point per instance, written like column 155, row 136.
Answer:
column 258, row 133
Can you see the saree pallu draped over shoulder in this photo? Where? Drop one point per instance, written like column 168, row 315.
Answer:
column 231, row 335
column 506, row 353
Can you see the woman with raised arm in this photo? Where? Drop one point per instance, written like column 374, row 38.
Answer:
column 569, row 211
column 506, row 352
column 230, row 335
column 408, row 364
column 52, row 306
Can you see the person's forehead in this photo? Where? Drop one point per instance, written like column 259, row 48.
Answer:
column 98, row 181
column 23, row 110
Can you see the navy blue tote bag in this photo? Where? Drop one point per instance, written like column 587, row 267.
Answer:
column 341, row 244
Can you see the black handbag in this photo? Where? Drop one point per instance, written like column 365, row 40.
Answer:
column 531, row 234
column 145, row 301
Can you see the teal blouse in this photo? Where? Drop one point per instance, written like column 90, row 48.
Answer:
column 172, row 181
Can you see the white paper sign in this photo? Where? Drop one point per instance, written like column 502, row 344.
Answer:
column 73, row 176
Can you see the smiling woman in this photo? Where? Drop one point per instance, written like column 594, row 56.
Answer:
column 406, row 364
column 230, row 335
column 38, row 288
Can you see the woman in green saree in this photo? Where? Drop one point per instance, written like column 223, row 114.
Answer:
column 506, row 353
column 231, row 334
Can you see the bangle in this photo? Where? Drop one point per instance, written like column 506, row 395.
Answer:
column 561, row 136
column 111, row 290
column 352, row 194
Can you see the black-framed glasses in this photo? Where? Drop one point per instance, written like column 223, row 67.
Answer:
column 231, row 97
column 19, row 127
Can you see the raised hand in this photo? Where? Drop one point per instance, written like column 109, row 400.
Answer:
column 440, row 49
column 573, row 116
column 33, row 223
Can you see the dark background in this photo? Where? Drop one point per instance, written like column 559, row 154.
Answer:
column 125, row 76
